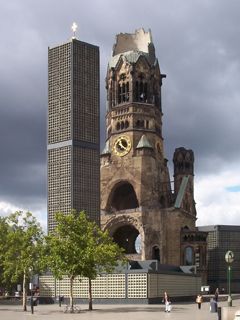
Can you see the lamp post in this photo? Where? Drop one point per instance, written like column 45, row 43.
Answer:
column 229, row 258
column 31, row 299
column 31, row 290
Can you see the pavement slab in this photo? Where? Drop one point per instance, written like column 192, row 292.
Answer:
column 180, row 311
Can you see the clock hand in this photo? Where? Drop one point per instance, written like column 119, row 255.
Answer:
column 122, row 146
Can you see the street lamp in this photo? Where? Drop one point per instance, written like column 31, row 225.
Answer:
column 229, row 258
column 31, row 290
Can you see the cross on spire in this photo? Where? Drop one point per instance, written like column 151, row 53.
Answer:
column 74, row 29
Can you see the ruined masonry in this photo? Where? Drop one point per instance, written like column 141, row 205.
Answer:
column 138, row 207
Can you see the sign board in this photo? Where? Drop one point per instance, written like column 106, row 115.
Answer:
column 229, row 256
column 205, row 288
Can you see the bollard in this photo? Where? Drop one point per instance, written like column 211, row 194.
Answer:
column 32, row 304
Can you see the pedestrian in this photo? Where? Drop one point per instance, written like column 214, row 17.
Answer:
column 216, row 295
column 167, row 302
column 199, row 300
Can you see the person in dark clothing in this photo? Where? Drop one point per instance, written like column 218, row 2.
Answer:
column 216, row 295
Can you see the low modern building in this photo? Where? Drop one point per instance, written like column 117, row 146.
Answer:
column 138, row 282
column 220, row 239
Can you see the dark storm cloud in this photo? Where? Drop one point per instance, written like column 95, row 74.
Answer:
column 197, row 47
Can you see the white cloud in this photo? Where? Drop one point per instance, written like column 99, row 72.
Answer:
column 215, row 204
column 7, row 208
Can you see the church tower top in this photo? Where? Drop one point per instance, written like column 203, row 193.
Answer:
column 138, row 41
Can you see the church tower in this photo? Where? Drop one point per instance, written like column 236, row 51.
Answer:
column 137, row 203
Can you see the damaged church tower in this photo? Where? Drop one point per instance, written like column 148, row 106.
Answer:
column 138, row 207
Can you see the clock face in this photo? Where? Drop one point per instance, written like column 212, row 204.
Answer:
column 122, row 146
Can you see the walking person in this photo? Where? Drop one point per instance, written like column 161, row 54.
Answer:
column 199, row 300
column 167, row 302
column 216, row 295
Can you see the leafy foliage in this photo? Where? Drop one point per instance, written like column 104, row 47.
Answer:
column 4, row 228
column 78, row 247
column 23, row 247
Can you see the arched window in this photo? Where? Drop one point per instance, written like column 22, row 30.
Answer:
column 188, row 256
column 123, row 89
column 141, row 89
column 126, row 125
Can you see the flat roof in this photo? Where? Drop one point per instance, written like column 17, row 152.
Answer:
column 219, row 227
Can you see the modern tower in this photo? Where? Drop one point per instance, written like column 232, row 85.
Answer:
column 73, row 130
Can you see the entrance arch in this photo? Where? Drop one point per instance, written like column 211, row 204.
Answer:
column 126, row 237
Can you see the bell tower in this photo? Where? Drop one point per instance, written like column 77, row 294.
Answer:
column 134, row 175
column 138, row 207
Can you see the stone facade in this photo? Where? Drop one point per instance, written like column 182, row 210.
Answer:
column 138, row 206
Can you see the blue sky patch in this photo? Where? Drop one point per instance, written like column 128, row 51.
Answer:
column 233, row 189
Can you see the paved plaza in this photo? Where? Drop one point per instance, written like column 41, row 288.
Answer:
column 180, row 311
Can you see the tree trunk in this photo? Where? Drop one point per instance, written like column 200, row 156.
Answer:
column 24, row 292
column 90, row 294
column 71, row 294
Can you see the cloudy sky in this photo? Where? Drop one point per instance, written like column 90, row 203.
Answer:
column 198, row 47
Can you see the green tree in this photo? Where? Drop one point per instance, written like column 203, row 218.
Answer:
column 66, row 245
column 24, row 250
column 77, row 247
column 3, row 246
column 101, row 255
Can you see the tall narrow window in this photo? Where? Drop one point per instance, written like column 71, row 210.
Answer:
column 136, row 91
column 127, row 91
column 141, row 91
column 188, row 256
column 145, row 92
column 119, row 93
column 155, row 253
column 123, row 99
column 123, row 89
